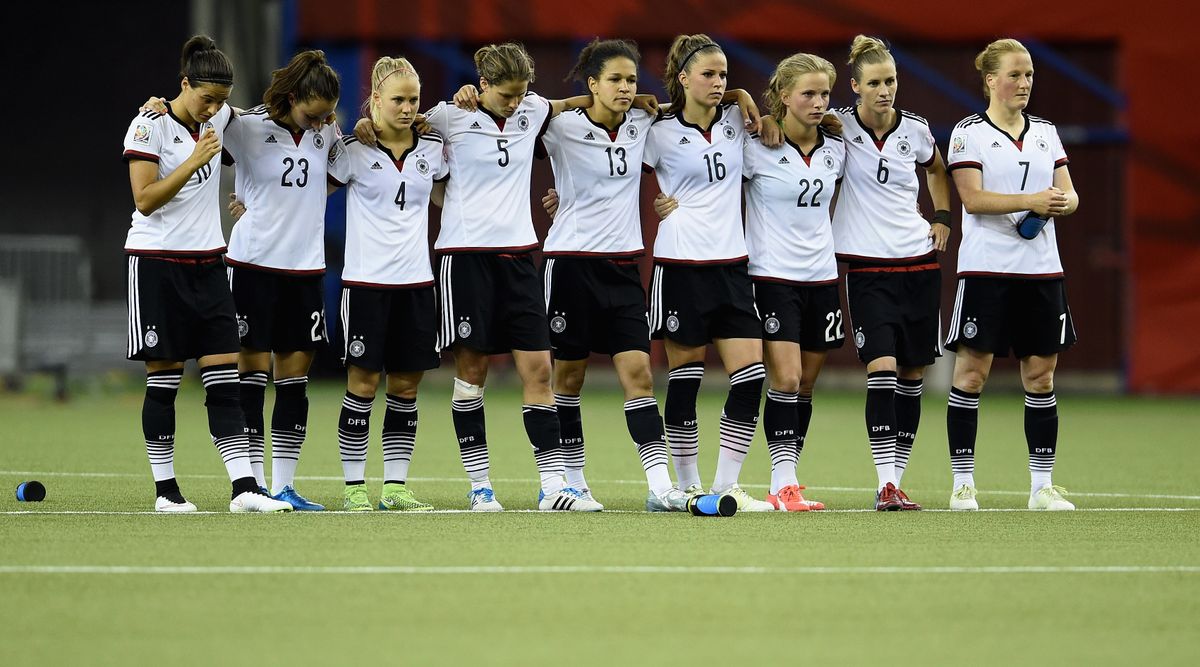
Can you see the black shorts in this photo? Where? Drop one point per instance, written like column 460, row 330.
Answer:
column 896, row 314
column 693, row 304
column 810, row 315
column 389, row 329
column 179, row 309
column 491, row 303
column 278, row 312
column 1030, row 317
column 595, row 305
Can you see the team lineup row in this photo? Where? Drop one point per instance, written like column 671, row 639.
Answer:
column 763, row 291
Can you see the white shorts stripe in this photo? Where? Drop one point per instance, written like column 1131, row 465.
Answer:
column 952, row 334
column 344, row 314
column 135, row 310
column 446, row 334
column 656, row 299
column 548, row 281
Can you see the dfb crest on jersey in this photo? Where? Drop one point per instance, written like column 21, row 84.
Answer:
column 151, row 338
column 522, row 123
column 771, row 325
column 558, row 324
column 318, row 140
column 672, row 324
column 970, row 330
column 904, row 148
column 422, row 166
column 729, row 132
column 464, row 329
column 631, row 131
column 243, row 327
column 1042, row 145
column 829, row 164
column 357, row 348
column 860, row 339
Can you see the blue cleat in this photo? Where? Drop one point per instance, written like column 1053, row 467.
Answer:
column 297, row 501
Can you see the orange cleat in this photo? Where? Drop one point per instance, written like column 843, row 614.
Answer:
column 791, row 500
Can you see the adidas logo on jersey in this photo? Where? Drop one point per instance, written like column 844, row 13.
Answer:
column 475, row 126
column 589, row 137
column 683, row 141
column 784, row 160
column 178, row 140
column 995, row 144
column 271, row 140
column 376, row 166
column 858, row 140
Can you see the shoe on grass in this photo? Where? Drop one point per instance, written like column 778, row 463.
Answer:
column 1050, row 498
column 963, row 498
column 355, row 499
column 397, row 498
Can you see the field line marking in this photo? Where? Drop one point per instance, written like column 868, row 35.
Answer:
column 529, row 511
column 593, row 569
column 530, row 480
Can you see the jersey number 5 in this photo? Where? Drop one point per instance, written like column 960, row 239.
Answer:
column 500, row 143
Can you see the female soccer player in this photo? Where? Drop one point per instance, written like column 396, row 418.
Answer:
column 491, row 300
column 594, row 295
column 388, row 312
column 788, row 200
column 701, row 291
column 1011, row 173
column 179, row 304
column 893, row 280
column 276, row 257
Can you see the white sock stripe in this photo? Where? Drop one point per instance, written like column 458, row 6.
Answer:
column 962, row 402
column 909, row 390
column 355, row 404
column 1040, row 401
column 565, row 399
column 689, row 372
column 886, row 382
column 212, row 378
column 535, row 407
column 284, row 382
column 398, row 406
column 467, row 406
column 750, row 373
column 640, row 403
column 782, row 396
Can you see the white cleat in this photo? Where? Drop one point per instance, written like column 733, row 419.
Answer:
column 586, row 494
column 963, row 498
column 744, row 502
column 1050, row 498
column 163, row 505
column 484, row 500
column 568, row 500
column 252, row 501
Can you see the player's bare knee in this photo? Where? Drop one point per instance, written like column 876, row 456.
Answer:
column 403, row 385
column 1041, row 383
column 787, row 385
column 568, row 379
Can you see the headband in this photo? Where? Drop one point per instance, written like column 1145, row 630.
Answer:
column 219, row 80
column 683, row 63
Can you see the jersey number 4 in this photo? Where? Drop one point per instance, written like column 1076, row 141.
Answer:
column 301, row 165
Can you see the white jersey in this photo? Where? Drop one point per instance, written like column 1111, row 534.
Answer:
column 387, row 211
column 189, row 224
column 281, row 177
column 990, row 243
column 597, row 174
column 788, row 196
column 877, row 217
column 703, row 171
column 491, row 158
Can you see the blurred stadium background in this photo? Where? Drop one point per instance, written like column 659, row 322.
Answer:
column 1112, row 80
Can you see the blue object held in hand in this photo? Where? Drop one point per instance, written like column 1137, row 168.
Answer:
column 1030, row 226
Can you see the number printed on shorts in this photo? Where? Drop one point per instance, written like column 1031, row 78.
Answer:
column 1062, row 336
column 318, row 328
column 834, row 331
column 301, row 179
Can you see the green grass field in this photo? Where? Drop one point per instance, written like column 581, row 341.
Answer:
column 88, row 578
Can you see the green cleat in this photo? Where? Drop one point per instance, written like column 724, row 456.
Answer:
column 398, row 498
column 356, row 499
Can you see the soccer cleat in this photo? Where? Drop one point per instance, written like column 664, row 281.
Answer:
column 744, row 502
column 586, row 494
column 253, row 501
column 1050, row 498
column 398, row 498
column 484, row 500
column 297, row 501
column 567, row 500
column 886, row 500
column 789, row 499
column 905, row 503
column 355, row 499
column 163, row 505
column 672, row 500
column 694, row 490
column 963, row 498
